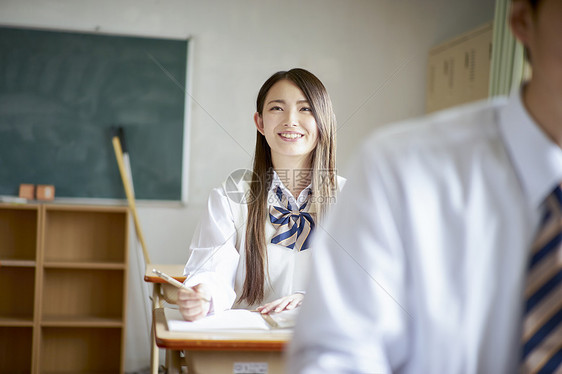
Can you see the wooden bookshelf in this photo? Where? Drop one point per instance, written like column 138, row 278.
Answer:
column 63, row 271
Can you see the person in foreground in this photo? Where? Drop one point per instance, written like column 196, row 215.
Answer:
column 252, row 247
column 436, row 258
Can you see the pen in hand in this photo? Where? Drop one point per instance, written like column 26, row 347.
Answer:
column 174, row 282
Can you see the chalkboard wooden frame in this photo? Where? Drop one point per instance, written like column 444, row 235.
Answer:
column 61, row 93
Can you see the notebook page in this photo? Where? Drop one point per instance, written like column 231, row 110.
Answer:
column 233, row 319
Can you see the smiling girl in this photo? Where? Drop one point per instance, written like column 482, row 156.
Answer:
column 252, row 247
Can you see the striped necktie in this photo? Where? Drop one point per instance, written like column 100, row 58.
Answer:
column 293, row 226
column 542, row 325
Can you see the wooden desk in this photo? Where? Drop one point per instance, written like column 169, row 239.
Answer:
column 221, row 352
column 160, row 292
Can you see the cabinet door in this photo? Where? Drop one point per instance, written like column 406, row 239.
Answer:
column 458, row 71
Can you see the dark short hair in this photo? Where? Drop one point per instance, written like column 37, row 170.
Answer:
column 534, row 3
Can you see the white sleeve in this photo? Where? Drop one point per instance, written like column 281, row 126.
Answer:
column 213, row 258
column 354, row 318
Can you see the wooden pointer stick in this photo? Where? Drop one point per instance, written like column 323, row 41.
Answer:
column 130, row 196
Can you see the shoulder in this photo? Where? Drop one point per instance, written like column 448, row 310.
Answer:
column 234, row 193
column 231, row 194
column 447, row 131
column 236, row 185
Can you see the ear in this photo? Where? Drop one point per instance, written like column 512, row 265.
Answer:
column 259, row 122
column 521, row 20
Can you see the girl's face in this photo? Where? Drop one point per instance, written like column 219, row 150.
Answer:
column 288, row 125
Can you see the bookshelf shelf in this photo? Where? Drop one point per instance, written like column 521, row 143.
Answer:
column 17, row 263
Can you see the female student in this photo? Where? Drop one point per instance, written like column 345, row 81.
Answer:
column 251, row 248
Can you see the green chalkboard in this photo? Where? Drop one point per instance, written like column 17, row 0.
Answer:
column 60, row 95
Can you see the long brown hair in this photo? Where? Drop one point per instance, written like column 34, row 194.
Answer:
column 323, row 175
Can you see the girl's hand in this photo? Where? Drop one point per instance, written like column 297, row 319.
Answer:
column 194, row 302
column 284, row 303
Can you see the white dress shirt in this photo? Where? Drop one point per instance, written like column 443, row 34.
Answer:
column 422, row 263
column 217, row 251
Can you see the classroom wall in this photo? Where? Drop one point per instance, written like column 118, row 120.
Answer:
column 371, row 55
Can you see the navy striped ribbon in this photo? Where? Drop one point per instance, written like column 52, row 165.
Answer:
column 294, row 226
column 542, row 329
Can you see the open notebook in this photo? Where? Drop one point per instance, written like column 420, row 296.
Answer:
column 233, row 319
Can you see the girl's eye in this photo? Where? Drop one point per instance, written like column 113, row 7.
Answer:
column 276, row 108
column 306, row 109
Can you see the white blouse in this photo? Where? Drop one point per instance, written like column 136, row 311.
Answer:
column 217, row 251
column 424, row 267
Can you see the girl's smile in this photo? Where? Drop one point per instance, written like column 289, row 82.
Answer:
column 290, row 136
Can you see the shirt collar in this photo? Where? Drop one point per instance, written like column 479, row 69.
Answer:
column 303, row 196
column 537, row 159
